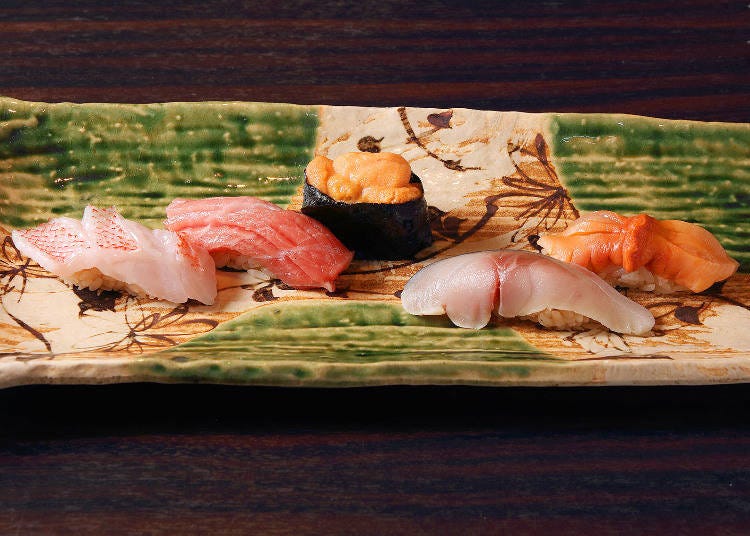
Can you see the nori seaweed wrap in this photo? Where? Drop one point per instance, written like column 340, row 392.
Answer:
column 386, row 231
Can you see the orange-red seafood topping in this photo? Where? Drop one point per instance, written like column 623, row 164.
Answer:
column 364, row 178
column 681, row 252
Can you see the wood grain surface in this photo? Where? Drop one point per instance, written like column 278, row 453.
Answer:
column 161, row 459
column 178, row 459
column 684, row 60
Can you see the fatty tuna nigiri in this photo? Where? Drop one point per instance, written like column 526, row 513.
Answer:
column 642, row 252
column 105, row 251
column 469, row 288
column 247, row 232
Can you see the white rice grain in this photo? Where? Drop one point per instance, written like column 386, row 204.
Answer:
column 641, row 279
column 559, row 319
column 93, row 279
column 232, row 260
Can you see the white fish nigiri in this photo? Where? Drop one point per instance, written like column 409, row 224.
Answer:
column 469, row 288
column 108, row 252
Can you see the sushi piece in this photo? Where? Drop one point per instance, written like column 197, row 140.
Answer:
column 247, row 232
column 371, row 201
column 642, row 252
column 104, row 251
column 470, row 287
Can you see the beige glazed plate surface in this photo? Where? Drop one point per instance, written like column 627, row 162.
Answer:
column 491, row 179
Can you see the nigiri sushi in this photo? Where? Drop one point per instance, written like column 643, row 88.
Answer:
column 470, row 287
column 105, row 251
column 247, row 232
column 642, row 252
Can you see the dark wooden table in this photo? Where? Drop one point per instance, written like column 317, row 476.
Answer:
column 179, row 459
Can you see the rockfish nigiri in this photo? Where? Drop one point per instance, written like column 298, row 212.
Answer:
column 642, row 252
column 247, row 232
column 104, row 251
column 470, row 287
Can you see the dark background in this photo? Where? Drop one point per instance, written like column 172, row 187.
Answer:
column 684, row 60
column 178, row 459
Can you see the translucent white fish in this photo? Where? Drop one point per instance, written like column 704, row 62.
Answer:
column 469, row 288
column 105, row 251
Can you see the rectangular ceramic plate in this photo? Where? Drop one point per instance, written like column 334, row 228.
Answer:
column 492, row 179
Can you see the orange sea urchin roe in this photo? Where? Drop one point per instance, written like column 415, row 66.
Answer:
column 364, row 178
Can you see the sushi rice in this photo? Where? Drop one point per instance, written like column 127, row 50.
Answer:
column 561, row 320
column 94, row 279
column 233, row 260
column 641, row 279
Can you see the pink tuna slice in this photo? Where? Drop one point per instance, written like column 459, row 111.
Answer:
column 292, row 247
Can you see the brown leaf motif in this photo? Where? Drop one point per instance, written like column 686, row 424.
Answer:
column 15, row 271
column 444, row 224
column 688, row 314
column 369, row 144
column 147, row 330
column 265, row 293
column 412, row 137
column 96, row 300
column 536, row 186
column 441, row 120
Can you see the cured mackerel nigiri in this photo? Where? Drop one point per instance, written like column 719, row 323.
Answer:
column 247, row 232
column 104, row 251
column 642, row 252
column 469, row 288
